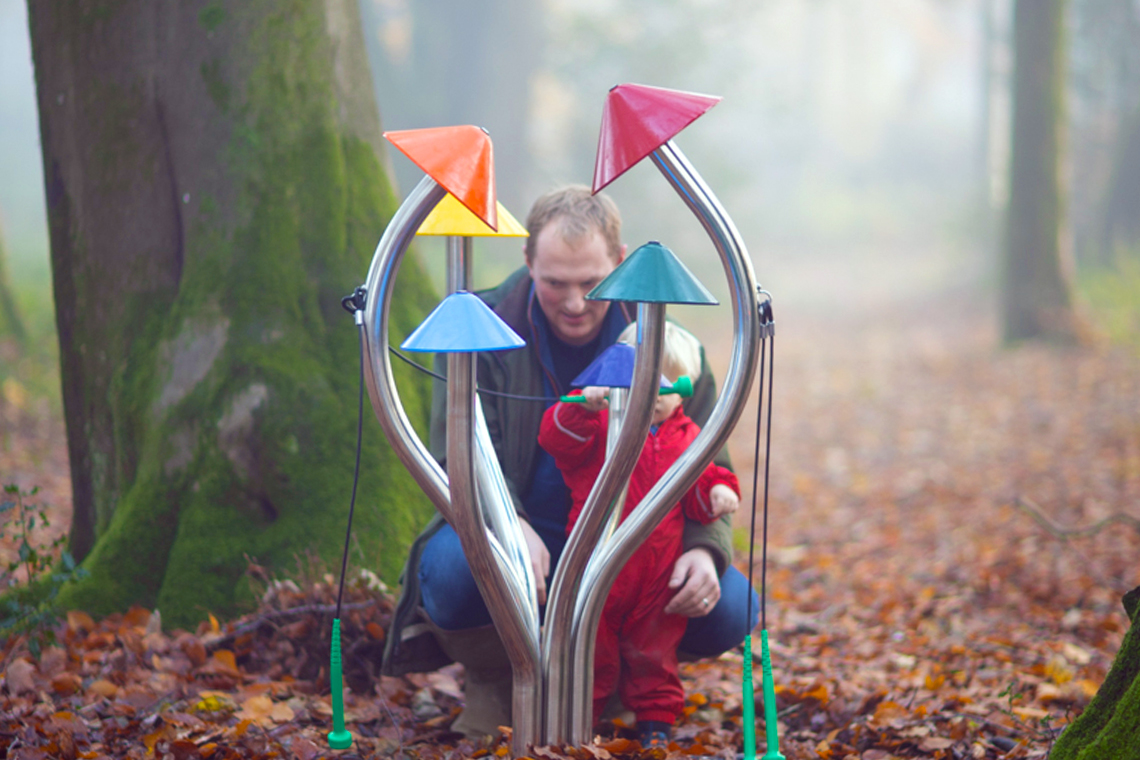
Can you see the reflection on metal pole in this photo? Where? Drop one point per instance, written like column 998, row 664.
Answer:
column 619, row 402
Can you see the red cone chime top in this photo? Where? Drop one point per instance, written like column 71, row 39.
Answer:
column 637, row 120
column 460, row 159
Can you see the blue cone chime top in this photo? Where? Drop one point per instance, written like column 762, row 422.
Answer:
column 462, row 323
column 652, row 274
column 612, row 369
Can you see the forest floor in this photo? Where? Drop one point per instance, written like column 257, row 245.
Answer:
column 952, row 528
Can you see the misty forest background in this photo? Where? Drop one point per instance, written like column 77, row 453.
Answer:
column 862, row 148
column 929, row 473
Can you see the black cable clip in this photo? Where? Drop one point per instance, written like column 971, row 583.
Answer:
column 767, row 321
column 354, row 302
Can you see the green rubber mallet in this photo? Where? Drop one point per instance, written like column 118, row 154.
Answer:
column 683, row 388
column 339, row 737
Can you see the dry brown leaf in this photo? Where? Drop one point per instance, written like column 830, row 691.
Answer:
column 66, row 684
column 103, row 688
column 80, row 622
column 935, row 743
column 19, row 677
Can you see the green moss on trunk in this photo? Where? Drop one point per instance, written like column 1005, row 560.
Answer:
column 234, row 397
column 1109, row 728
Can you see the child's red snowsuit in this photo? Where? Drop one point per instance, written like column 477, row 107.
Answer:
column 636, row 648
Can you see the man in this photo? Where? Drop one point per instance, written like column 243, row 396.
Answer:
column 574, row 243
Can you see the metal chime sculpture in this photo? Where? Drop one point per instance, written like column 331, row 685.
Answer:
column 552, row 664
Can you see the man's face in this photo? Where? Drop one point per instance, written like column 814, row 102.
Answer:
column 563, row 273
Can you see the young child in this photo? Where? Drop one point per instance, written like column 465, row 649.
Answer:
column 636, row 649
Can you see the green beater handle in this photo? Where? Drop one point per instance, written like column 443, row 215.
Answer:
column 683, row 388
column 748, row 700
column 339, row 737
column 773, row 752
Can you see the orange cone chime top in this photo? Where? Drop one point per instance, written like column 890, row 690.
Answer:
column 460, row 159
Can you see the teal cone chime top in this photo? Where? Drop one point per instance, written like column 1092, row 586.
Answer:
column 652, row 274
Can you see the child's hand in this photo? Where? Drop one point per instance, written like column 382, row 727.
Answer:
column 724, row 500
column 595, row 396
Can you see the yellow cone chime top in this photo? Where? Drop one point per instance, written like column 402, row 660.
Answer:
column 451, row 217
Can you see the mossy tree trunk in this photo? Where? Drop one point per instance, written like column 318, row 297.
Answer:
column 1037, row 286
column 1109, row 728
column 214, row 186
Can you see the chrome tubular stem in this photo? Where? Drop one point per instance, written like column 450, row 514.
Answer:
column 502, row 602
column 492, row 495
column 566, row 633
column 617, row 407
column 496, row 510
column 499, row 510
column 378, row 375
column 607, row 562
column 459, row 262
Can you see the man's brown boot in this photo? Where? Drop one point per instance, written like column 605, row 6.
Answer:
column 488, row 687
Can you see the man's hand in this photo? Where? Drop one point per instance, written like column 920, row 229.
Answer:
column 724, row 500
column 539, row 559
column 694, row 574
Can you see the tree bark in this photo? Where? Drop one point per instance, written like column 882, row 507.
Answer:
column 1037, row 281
column 1109, row 726
column 214, row 187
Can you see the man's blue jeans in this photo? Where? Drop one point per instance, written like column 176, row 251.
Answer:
column 453, row 602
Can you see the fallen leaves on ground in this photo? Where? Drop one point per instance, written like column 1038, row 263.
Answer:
column 944, row 581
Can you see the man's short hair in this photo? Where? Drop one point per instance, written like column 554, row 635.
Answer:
column 681, row 354
column 577, row 211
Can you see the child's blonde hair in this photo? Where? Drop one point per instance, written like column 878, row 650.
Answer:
column 682, row 351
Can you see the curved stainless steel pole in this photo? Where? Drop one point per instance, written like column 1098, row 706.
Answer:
column 510, row 619
column 617, row 406
column 607, row 562
column 612, row 481
column 378, row 365
column 491, row 493
column 503, row 587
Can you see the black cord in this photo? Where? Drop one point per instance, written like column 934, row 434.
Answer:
column 767, row 465
column 767, row 330
column 487, row 391
column 353, row 303
column 755, row 475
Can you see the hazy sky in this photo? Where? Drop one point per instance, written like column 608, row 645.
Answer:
column 21, row 171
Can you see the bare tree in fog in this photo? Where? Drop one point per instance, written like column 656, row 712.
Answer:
column 1037, row 288
column 10, row 321
column 1104, row 124
column 443, row 62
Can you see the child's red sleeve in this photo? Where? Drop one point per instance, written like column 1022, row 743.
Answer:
column 569, row 432
column 697, row 503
